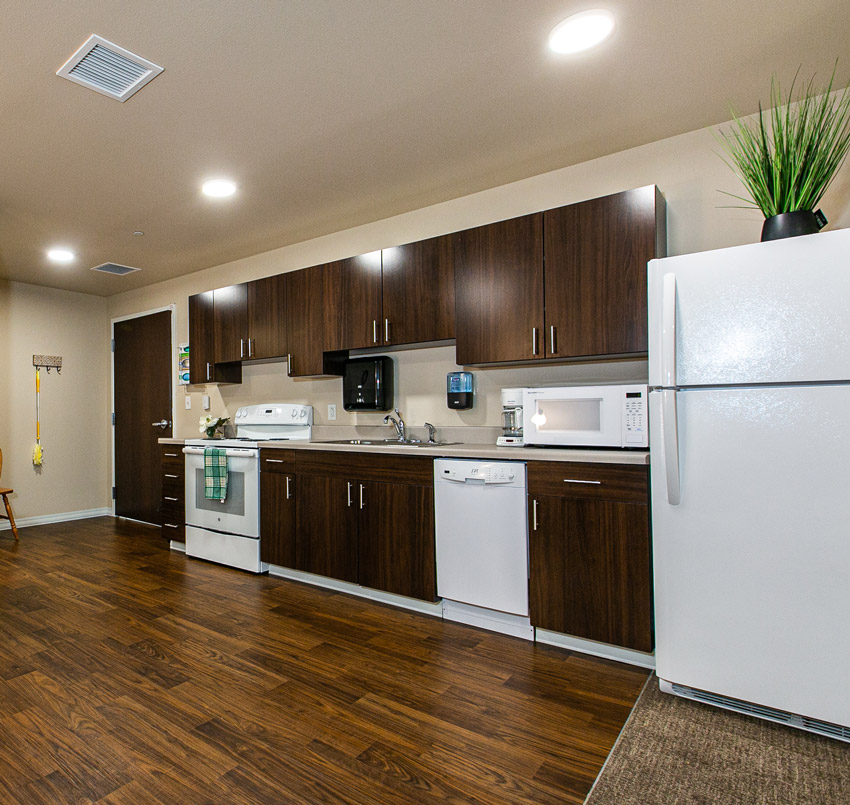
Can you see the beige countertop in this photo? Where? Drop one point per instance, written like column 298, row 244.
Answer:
column 468, row 450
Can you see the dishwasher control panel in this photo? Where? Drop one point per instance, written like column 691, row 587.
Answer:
column 479, row 472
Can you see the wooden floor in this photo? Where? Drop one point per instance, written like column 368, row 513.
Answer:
column 131, row 674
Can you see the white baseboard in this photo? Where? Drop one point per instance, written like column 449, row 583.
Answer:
column 490, row 619
column 177, row 546
column 425, row 607
column 583, row 646
column 62, row 517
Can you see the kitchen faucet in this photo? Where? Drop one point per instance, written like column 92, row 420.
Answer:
column 398, row 424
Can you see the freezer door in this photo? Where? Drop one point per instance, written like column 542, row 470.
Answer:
column 774, row 312
column 752, row 566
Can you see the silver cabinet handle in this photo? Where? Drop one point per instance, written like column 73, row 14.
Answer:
column 208, row 371
column 386, row 331
column 362, row 502
column 170, row 525
column 552, row 348
column 274, row 460
column 374, row 331
column 174, row 499
column 577, row 481
column 250, row 347
column 241, row 347
column 173, row 455
column 534, row 515
column 167, row 475
column 533, row 340
column 289, row 364
column 349, row 493
column 288, row 494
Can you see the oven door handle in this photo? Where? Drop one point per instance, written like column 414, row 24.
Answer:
column 230, row 452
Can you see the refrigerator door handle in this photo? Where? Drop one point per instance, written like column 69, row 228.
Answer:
column 668, row 331
column 670, row 445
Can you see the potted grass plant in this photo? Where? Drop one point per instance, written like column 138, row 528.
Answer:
column 788, row 156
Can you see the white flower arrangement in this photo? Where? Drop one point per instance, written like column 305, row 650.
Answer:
column 212, row 425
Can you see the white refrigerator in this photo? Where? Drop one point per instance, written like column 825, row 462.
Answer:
column 749, row 369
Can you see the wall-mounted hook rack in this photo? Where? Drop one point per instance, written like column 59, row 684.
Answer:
column 48, row 362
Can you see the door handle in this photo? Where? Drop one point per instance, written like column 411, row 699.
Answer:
column 163, row 423
column 174, row 499
column 670, row 445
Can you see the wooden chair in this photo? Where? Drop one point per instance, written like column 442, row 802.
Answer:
column 4, row 493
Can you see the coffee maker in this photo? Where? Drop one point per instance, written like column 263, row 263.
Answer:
column 511, row 419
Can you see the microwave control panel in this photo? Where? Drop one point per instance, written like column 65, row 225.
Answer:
column 634, row 418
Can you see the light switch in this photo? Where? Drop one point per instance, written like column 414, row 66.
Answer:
column 205, row 402
column 188, row 403
column 331, row 412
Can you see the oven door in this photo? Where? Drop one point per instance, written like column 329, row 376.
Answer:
column 577, row 416
column 239, row 512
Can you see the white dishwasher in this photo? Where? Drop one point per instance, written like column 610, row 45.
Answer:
column 482, row 539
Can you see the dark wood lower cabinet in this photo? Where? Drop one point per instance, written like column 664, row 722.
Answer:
column 277, row 518
column 327, row 529
column 172, row 509
column 590, row 572
column 395, row 539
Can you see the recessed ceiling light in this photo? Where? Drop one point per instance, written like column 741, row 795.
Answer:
column 61, row 255
column 219, row 188
column 138, row 233
column 581, row 31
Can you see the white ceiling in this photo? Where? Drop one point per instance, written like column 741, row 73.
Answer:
column 333, row 113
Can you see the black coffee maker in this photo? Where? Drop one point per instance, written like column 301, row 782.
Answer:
column 367, row 384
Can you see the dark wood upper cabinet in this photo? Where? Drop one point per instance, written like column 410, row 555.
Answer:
column 231, row 323
column 595, row 272
column 418, row 292
column 352, row 302
column 304, row 321
column 266, row 319
column 202, row 359
column 499, row 291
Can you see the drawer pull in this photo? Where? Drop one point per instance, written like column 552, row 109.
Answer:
column 174, row 499
column 275, row 460
column 576, row 481
column 172, row 455
column 171, row 525
column 169, row 475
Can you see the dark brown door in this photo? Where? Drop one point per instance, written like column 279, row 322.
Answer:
column 418, row 292
column 596, row 254
column 142, row 392
column 304, row 321
column 353, row 302
column 326, row 508
column 590, row 570
column 499, row 291
column 266, row 328
column 231, row 323
column 396, row 539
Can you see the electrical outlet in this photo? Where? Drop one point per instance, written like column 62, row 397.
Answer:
column 332, row 412
column 188, row 403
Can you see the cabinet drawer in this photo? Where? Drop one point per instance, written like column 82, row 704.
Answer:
column 282, row 461
column 173, row 504
column 173, row 529
column 417, row 470
column 172, row 457
column 173, row 487
column 621, row 482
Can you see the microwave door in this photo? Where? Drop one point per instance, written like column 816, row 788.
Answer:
column 582, row 417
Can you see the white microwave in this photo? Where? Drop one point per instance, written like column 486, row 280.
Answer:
column 586, row 416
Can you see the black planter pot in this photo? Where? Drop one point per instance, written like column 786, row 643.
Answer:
column 791, row 224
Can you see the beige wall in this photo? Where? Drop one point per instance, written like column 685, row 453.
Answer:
column 45, row 321
column 687, row 170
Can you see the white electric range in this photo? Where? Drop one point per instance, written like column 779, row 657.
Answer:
column 228, row 531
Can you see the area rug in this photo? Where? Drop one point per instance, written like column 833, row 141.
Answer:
column 673, row 751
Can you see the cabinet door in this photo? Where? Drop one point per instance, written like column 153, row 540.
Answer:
column 277, row 518
column 201, row 344
column 596, row 254
column 499, row 291
column 590, row 570
column 418, row 292
column 396, row 539
column 304, row 321
column 231, row 323
column 352, row 302
column 327, row 526
column 266, row 334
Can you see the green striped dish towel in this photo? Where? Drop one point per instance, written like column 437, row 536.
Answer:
column 215, row 473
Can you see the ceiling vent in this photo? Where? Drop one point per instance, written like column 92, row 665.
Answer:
column 115, row 268
column 108, row 69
